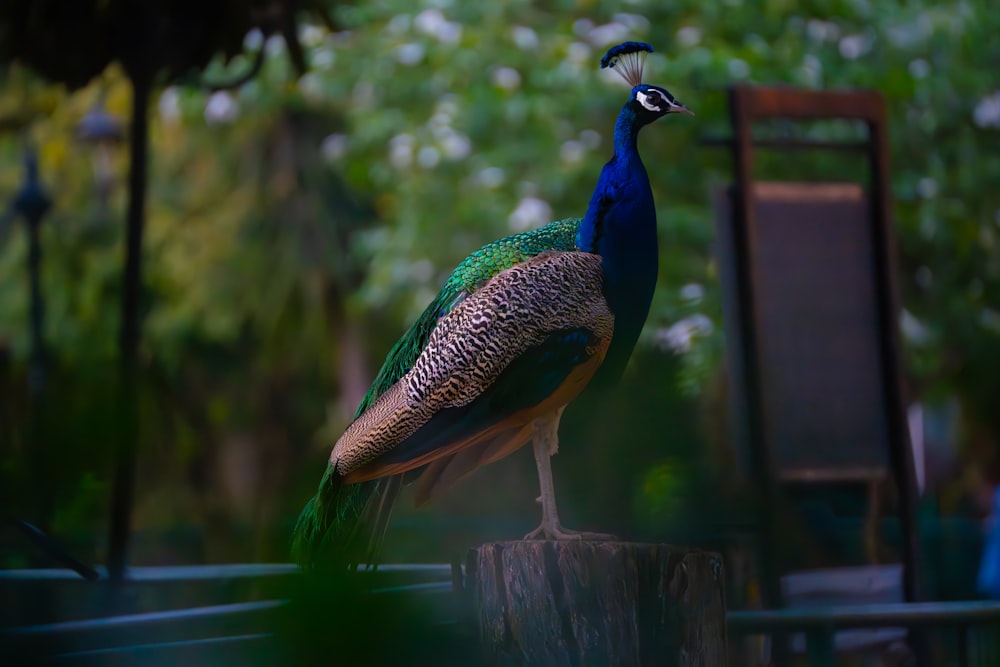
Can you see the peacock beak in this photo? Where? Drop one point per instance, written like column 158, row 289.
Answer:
column 677, row 107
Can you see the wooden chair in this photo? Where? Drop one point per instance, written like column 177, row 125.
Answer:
column 811, row 312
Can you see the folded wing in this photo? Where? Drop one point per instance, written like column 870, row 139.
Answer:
column 520, row 347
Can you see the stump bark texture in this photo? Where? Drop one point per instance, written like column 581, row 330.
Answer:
column 597, row 603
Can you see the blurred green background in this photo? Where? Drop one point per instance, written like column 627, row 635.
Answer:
column 296, row 225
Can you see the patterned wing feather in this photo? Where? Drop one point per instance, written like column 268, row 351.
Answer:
column 467, row 277
column 516, row 342
column 540, row 380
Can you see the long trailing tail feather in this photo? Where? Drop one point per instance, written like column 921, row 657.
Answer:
column 343, row 525
column 379, row 513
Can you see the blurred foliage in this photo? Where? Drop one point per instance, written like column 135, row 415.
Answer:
column 73, row 44
column 297, row 224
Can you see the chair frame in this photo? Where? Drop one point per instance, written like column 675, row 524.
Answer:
column 749, row 104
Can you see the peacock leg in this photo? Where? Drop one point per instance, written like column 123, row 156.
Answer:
column 545, row 443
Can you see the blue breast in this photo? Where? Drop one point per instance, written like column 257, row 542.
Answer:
column 620, row 226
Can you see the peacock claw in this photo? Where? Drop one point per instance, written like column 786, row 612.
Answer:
column 546, row 442
column 557, row 532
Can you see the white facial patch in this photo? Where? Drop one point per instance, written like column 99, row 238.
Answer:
column 647, row 100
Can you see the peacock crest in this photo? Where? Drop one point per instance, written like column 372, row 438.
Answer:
column 627, row 59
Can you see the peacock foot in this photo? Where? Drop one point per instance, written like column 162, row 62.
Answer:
column 553, row 531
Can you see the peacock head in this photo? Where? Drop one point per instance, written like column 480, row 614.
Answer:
column 648, row 102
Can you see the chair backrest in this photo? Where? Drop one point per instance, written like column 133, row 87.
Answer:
column 816, row 330
column 811, row 314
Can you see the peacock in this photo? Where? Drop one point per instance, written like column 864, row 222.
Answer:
column 520, row 327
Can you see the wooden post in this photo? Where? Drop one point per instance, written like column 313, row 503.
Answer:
column 597, row 603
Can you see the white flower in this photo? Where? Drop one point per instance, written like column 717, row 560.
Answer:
column 491, row 177
column 447, row 106
column 913, row 329
column 987, row 112
column 221, row 108
column 680, row 337
column 310, row 85
column 440, row 120
column 429, row 21
column 409, row 54
column 334, row 146
column 310, row 36
column 170, row 104
column 927, row 187
column 524, row 38
column 692, row 292
column 572, row 151
column 323, row 59
column 507, row 78
column 530, row 212
column 908, row 35
column 451, row 33
column 428, row 157
column 853, row 47
column 432, row 22
column 738, row 68
column 253, row 40
column 689, row 36
column 275, row 46
column 401, row 151
column 456, row 146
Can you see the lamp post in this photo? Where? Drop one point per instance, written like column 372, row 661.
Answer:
column 31, row 202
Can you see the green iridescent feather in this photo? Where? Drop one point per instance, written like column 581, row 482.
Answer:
column 345, row 523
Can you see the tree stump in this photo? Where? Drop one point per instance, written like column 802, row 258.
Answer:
column 597, row 603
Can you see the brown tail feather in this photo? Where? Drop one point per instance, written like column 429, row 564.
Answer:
column 442, row 474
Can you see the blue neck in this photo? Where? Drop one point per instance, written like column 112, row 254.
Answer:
column 627, row 132
column 620, row 226
column 622, row 203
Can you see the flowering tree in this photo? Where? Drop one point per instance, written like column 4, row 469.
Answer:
column 297, row 223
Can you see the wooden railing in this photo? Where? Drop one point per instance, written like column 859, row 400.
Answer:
column 975, row 624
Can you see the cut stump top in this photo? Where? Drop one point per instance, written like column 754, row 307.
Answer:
column 543, row 602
